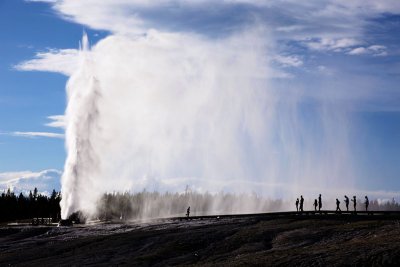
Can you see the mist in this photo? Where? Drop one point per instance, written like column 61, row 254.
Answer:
column 163, row 110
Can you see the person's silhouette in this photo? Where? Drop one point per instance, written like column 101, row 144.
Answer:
column 366, row 203
column 355, row 203
column 319, row 202
column 188, row 212
column 297, row 204
column 301, row 203
column 347, row 201
column 338, row 205
column 315, row 204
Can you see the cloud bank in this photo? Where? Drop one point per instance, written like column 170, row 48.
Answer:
column 24, row 181
column 323, row 20
column 324, row 26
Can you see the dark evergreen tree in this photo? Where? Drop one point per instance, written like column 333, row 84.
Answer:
column 35, row 205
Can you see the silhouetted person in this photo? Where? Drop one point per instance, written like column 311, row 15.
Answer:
column 366, row 203
column 301, row 203
column 338, row 205
column 315, row 204
column 347, row 201
column 319, row 202
column 188, row 212
column 297, row 205
column 354, row 203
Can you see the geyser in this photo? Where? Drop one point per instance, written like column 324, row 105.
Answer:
column 165, row 110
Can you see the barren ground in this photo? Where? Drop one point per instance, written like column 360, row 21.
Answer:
column 302, row 241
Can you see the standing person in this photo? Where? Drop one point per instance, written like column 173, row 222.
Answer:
column 355, row 204
column 188, row 212
column 338, row 205
column 366, row 203
column 319, row 202
column 297, row 204
column 347, row 201
column 315, row 204
column 301, row 203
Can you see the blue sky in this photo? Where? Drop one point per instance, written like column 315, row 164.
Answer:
column 28, row 98
column 350, row 49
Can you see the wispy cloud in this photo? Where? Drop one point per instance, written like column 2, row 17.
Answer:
column 62, row 61
column 57, row 121
column 36, row 134
column 288, row 61
column 349, row 46
column 329, row 44
column 376, row 50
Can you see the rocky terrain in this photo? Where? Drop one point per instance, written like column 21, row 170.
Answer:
column 242, row 241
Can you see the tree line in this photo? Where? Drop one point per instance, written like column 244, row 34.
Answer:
column 34, row 205
column 140, row 205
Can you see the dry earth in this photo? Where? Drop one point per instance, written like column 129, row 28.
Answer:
column 302, row 241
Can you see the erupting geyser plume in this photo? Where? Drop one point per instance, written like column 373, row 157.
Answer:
column 163, row 110
column 82, row 164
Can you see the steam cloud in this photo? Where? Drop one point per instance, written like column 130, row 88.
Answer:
column 165, row 110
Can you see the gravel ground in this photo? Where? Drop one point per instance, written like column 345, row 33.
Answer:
column 210, row 242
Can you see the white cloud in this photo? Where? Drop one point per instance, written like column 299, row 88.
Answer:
column 376, row 50
column 57, row 121
column 349, row 46
column 127, row 16
column 63, row 61
column 329, row 44
column 289, row 61
column 38, row 134
column 358, row 51
column 23, row 181
column 330, row 26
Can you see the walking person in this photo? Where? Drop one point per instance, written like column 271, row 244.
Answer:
column 319, row 203
column 301, row 203
column 338, row 206
column 366, row 203
column 297, row 204
column 355, row 203
column 346, row 201
column 315, row 204
column 188, row 212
